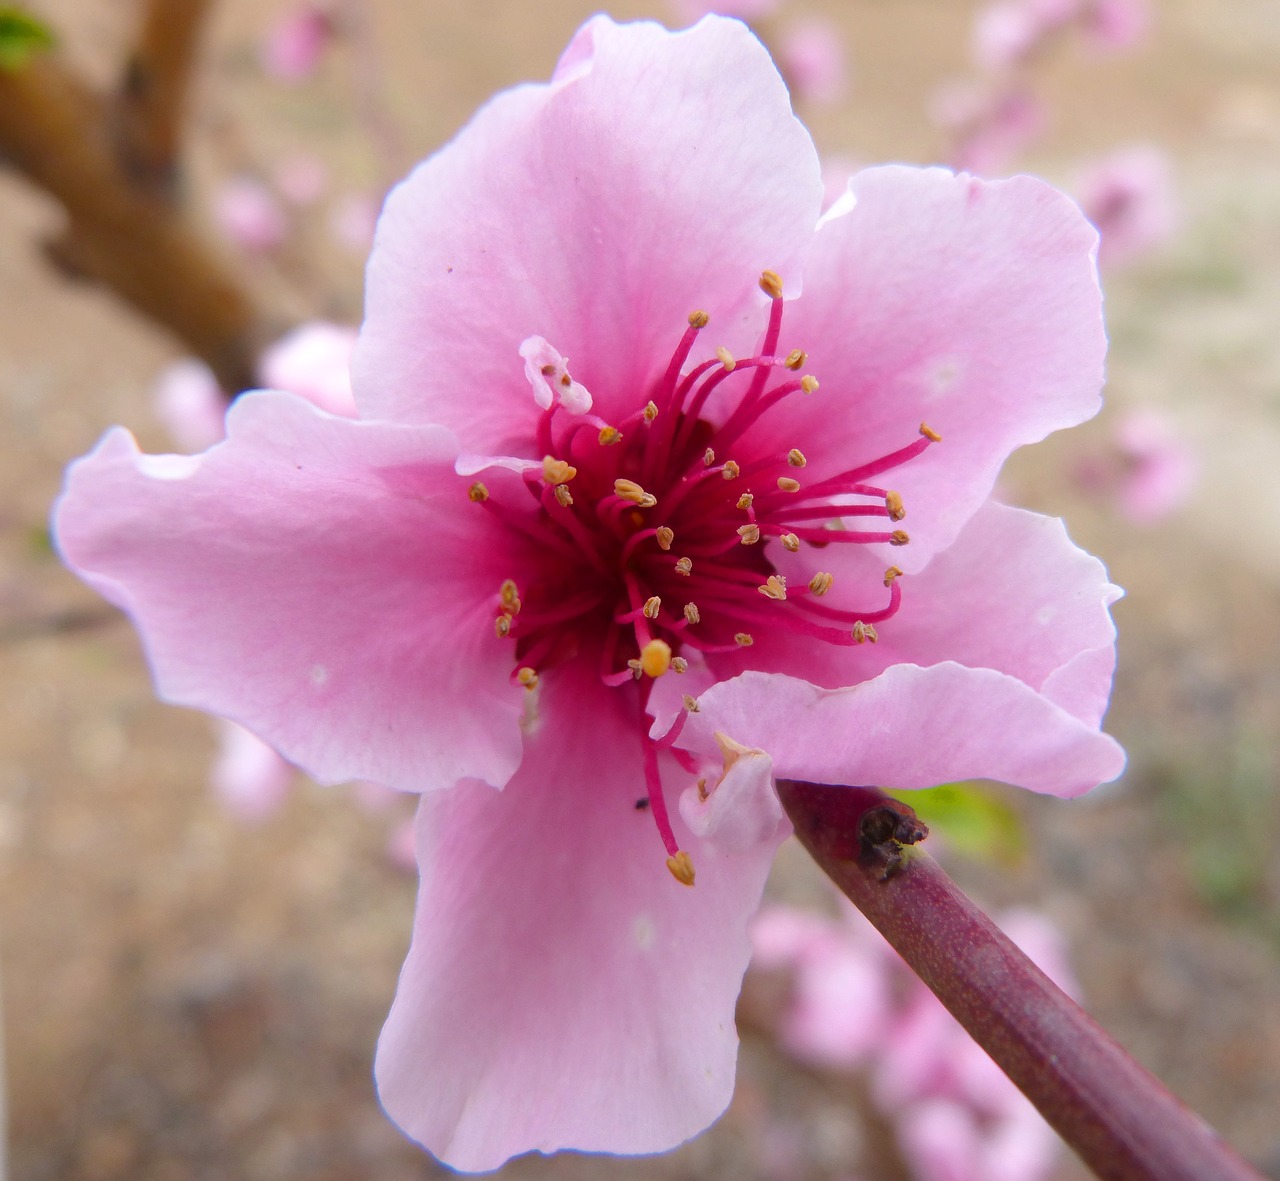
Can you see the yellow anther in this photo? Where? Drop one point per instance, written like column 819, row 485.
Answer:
column 502, row 625
column 708, row 457
column 864, row 633
column 745, row 500
column 731, row 470
column 787, row 484
column 796, row 359
column 821, row 582
column 775, row 587
column 692, row 614
column 556, row 471
column 750, row 534
column 771, row 284
column 650, row 411
column 893, row 502
column 790, row 542
column 679, row 664
column 665, row 537
column 477, row 493
column 890, row 574
column 929, row 433
column 809, row 383
column 652, row 605
column 527, row 677
column 795, row 457
column 743, row 639
column 681, row 867
column 698, row 319
column 509, row 595
column 725, row 357
column 898, row 537
column 630, row 490
column 690, row 703
column 684, row 566
column 563, row 496
column 609, row 435
column 655, row 658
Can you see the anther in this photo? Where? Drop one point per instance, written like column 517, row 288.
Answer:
column 708, row 457
column 556, row 471
column 731, row 470
column 893, row 502
column 864, row 633
column 509, row 595
column 790, row 542
column 929, row 433
column 527, row 677
column 652, row 605
column 679, row 664
column 684, row 566
column 809, row 383
column 637, row 669
column 775, row 587
column 502, row 626
column 548, row 371
column 650, row 411
column 725, row 357
column 477, row 493
column 692, row 614
column 787, row 484
column 630, row 490
column 750, row 534
column 743, row 639
column 744, row 501
column 821, row 582
column 771, row 284
column 796, row 359
column 890, row 574
column 690, row 703
column 681, row 867
column 563, row 496
column 609, row 435
column 664, row 537
column 698, row 320
column 898, row 537
column 655, row 657
column 795, row 457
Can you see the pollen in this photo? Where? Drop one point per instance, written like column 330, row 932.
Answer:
column 679, row 664
column 665, row 537
column 609, row 435
column 630, row 490
column 502, row 626
column 725, row 357
column 775, row 587
column 745, row 501
column 771, row 284
column 684, row 566
column 809, row 383
column 650, row 411
column 564, row 498
column 477, row 493
column 743, row 639
column 795, row 457
column 692, row 614
column 652, row 605
column 556, row 471
column 750, row 534
column 899, row 537
column 890, row 574
column 509, row 596
column 708, row 457
column 821, row 582
column 681, row 867
column 699, row 320
column 527, row 677
column 787, row 484
column 929, row 433
column 893, row 502
column 731, row 470
column 864, row 633
column 796, row 359
column 790, row 542
column 655, row 657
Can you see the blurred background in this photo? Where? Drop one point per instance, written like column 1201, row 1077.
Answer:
column 197, row 951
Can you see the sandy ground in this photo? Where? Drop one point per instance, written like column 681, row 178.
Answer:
column 185, row 997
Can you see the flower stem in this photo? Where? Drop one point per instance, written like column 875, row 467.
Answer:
column 1121, row 1120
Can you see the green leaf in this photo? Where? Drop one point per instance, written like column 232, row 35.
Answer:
column 21, row 36
column 971, row 819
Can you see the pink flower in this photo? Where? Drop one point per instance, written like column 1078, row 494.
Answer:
column 1129, row 196
column 189, row 404
column 247, row 212
column 1149, row 471
column 484, row 583
column 1117, row 25
column 292, row 48
column 813, row 60
column 313, row 361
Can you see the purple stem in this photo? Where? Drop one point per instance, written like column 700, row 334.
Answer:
column 1121, row 1120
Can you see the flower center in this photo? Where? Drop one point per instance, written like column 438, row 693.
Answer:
column 651, row 540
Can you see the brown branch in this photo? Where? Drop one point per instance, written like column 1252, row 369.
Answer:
column 1121, row 1120
column 122, row 233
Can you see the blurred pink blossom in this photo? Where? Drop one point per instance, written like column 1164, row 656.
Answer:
column 247, row 212
column 248, row 776
column 1117, row 25
column 352, row 221
column 301, row 178
column 313, row 361
column 1129, row 196
column 1005, row 34
column 189, row 404
column 1149, row 472
column 295, row 43
column 812, row 56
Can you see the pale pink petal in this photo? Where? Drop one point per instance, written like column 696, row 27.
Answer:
column 972, row 306
column 1020, row 1147
column 940, row 1141
column 248, row 776
column 293, row 46
column 781, row 935
column 659, row 176
column 909, row 727
column 317, row 579
column 562, row 989
column 249, row 215
column 840, row 1005
column 314, row 362
column 548, row 373
column 190, row 404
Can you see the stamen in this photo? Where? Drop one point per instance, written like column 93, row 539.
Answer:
column 795, row 457
column 787, row 484
column 750, row 534
column 790, row 542
column 502, row 626
column 864, row 633
column 692, row 614
column 664, row 537
column 731, row 470
column 725, row 357
column 890, row 574
column 655, row 658
column 650, row 411
column 708, row 457
column 699, row 320
column 556, row 471
column 893, row 502
column 652, row 605
column 929, row 433
column 743, row 639
column 690, row 703
column 771, row 284
column 527, row 677
column 898, row 537
column 796, row 359
column 684, row 566
column 477, row 493
column 809, row 384
column 775, row 587
column 609, row 435
column 744, row 501
column 821, row 582
column 563, row 496
column 679, row 664
column 509, row 596
column 630, row 490
column 681, row 867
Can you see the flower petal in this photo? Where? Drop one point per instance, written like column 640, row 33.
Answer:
column 322, row 581
column 660, row 173
column 563, row 990
column 909, row 727
column 971, row 305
